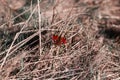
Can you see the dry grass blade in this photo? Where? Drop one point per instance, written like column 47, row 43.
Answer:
column 38, row 2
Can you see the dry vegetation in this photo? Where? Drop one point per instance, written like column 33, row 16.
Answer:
column 27, row 51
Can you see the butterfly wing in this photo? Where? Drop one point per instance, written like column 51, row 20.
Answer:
column 58, row 40
column 62, row 40
column 55, row 38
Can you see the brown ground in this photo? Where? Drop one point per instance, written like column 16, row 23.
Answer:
column 91, row 28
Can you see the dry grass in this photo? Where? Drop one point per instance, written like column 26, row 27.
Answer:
column 27, row 51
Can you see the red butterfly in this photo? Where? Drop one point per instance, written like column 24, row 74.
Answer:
column 58, row 40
